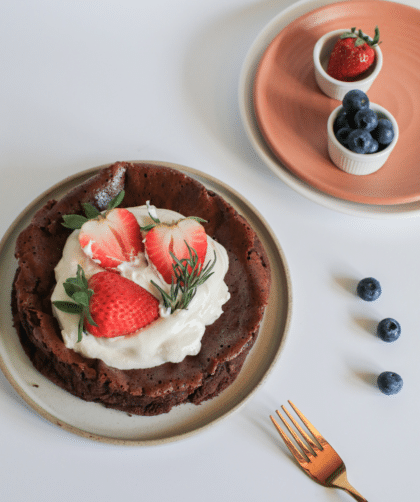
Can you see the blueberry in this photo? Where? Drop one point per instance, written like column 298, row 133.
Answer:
column 369, row 289
column 366, row 119
column 342, row 135
column 355, row 100
column 359, row 141
column 340, row 121
column 389, row 330
column 375, row 146
column 389, row 382
column 384, row 132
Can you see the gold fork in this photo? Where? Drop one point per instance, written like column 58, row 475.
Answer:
column 321, row 462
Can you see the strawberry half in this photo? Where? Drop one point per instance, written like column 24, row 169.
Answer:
column 163, row 239
column 352, row 55
column 108, row 304
column 109, row 238
column 112, row 238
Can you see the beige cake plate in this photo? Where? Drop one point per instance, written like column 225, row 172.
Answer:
column 93, row 421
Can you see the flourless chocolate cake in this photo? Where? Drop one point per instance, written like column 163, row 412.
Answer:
column 151, row 391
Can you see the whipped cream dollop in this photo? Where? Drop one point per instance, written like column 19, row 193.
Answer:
column 171, row 337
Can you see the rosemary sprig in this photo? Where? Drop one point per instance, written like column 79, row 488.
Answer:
column 188, row 277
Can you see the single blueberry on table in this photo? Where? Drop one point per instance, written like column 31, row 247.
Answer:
column 355, row 100
column 366, row 119
column 389, row 382
column 384, row 132
column 359, row 141
column 369, row 289
column 389, row 330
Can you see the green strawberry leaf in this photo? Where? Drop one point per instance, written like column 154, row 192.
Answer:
column 349, row 34
column 68, row 307
column 361, row 38
column 82, row 298
column 116, row 201
column 375, row 40
column 74, row 221
column 70, row 288
column 77, row 289
column 80, row 329
column 89, row 317
column 196, row 218
column 90, row 211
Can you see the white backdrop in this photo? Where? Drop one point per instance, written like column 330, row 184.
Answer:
column 87, row 83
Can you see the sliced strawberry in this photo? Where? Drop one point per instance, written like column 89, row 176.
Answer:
column 108, row 305
column 164, row 239
column 111, row 238
column 119, row 306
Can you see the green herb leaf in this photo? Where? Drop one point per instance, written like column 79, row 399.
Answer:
column 116, row 201
column 74, row 221
column 82, row 298
column 375, row 40
column 188, row 277
column 361, row 38
column 70, row 288
column 68, row 307
column 80, row 326
column 196, row 218
column 148, row 227
column 77, row 289
column 90, row 211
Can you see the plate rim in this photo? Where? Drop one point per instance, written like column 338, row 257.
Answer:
column 245, row 97
column 78, row 178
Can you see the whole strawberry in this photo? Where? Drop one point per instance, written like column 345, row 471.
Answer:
column 119, row 306
column 352, row 55
column 108, row 304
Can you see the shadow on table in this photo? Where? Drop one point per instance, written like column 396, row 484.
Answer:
column 212, row 69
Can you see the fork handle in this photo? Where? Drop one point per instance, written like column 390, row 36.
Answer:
column 341, row 481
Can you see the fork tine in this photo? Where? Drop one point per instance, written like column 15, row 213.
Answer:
column 298, row 440
column 309, row 426
column 316, row 448
column 293, row 450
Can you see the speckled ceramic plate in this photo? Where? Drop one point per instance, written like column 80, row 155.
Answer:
column 94, row 421
column 289, row 135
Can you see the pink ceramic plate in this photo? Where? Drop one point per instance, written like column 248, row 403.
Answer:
column 292, row 112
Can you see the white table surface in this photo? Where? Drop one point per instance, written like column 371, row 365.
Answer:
column 87, row 83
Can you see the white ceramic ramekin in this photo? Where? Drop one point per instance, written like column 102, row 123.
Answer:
column 358, row 163
column 332, row 87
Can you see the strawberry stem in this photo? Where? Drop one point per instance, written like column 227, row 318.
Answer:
column 75, row 221
column 361, row 38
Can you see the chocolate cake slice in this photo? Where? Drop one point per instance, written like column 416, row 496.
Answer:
column 156, row 390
